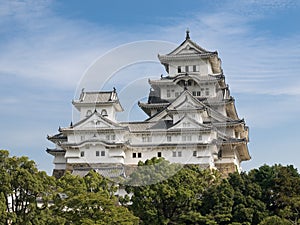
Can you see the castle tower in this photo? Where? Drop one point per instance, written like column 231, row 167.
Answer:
column 192, row 120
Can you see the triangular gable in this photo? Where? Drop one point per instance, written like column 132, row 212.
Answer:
column 187, row 104
column 184, row 101
column 187, row 99
column 188, row 47
column 179, row 103
column 96, row 120
column 187, row 122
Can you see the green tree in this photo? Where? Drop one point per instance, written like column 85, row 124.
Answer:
column 24, row 191
column 171, row 201
column 280, row 190
column 89, row 200
column 274, row 220
column 217, row 203
column 248, row 207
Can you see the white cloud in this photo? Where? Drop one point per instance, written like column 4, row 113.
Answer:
column 58, row 51
column 253, row 62
column 48, row 47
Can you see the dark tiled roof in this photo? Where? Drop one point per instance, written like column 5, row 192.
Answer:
column 108, row 172
column 97, row 97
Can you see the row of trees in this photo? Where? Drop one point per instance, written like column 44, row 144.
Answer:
column 29, row 196
column 169, row 194
column 269, row 195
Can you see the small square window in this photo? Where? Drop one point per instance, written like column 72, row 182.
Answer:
column 198, row 93
column 159, row 154
column 179, row 154
column 207, row 91
column 179, row 69
column 134, row 155
column 186, row 68
column 168, row 93
column 102, row 153
column 194, row 153
column 82, row 154
column 220, row 154
column 194, row 93
column 97, row 153
column 174, row 154
column 139, row 155
column 194, row 68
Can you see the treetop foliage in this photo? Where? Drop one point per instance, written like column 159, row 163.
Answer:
column 158, row 193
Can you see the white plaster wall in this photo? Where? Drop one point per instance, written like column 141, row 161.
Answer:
column 90, row 155
column 146, row 154
column 59, row 158
column 60, row 166
column 230, row 131
column 72, row 153
column 203, row 67
column 175, row 138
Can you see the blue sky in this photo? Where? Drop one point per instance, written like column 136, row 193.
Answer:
column 47, row 46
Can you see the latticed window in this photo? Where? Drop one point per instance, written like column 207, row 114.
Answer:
column 194, row 68
column 168, row 93
column 207, row 91
column 186, row 68
column 169, row 138
column 146, row 138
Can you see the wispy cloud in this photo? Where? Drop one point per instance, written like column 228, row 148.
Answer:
column 48, row 47
column 253, row 61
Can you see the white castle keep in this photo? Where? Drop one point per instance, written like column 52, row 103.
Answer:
column 192, row 120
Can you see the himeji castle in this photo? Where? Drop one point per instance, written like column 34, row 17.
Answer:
column 192, row 119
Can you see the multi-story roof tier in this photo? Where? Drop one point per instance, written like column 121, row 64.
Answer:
column 192, row 120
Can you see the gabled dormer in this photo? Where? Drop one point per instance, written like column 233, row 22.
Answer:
column 185, row 103
column 186, row 122
column 105, row 102
column 190, row 58
column 95, row 121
